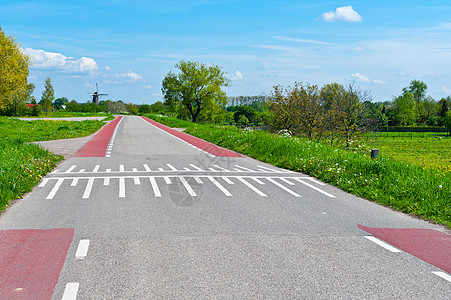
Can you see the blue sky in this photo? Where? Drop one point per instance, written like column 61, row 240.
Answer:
column 129, row 46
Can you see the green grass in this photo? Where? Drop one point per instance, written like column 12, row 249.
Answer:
column 403, row 186
column 22, row 164
column 68, row 114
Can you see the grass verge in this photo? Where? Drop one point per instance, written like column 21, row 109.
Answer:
column 22, row 164
column 402, row 186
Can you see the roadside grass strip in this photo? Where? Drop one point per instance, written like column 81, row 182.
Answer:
column 402, row 186
column 22, row 165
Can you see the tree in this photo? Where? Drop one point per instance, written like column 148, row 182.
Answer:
column 13, row 72
column 447, row 121
column 418, row 89
column 405, row 109
column 48, row 95
column 58, row 104
column 195, row 88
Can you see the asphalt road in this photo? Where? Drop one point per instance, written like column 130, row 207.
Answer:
column 158, row 218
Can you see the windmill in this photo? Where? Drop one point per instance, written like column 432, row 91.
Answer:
column 96, row 96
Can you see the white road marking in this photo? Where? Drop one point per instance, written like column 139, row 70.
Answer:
column 171, row 167
column 187, row 186
column 167, row 180
column 54, row 171
column 237, row 170
column 251, row 187
column 315, row 181
column 213, row 170
column 198, row 180
column 383, row 244
column 70, row 169
column 283, row 187
column 245, row 169
column 121, row 187
column 227, row 179
column 82, row 249
column 219, row 186
column 134, row 170
column 96, row 169
column 443, row 275
column 196, row 167
column 108, row 170
column 121, row 168
column 55, row 189
column 263, row 171
column 287, row 181
column 71, row 290
column 146, row 167
column 220, row 168
column 257, row 180
column 82, row 171
column 136, row 180
column 269, row 169
column 44, row 181
column 74, row 182
column 315, row 188
column 88, row 188
column 106, row 181
column 155, row 188
column 161, row 169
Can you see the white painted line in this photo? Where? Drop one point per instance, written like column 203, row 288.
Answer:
column 383, row 244
column 106, row 181
column 121, row 187
column 82, row 171
column 283, row 187
column 251, row 187
column 186, row 169
column 134, row 170
column 213, row 170
column 74, row 182
column 167, row 180
column 161, row 169
column 109, row 152
column 269, row 169
column 88, row 188
column 121, row 168
column 108, row 156
column 198, row 180
column 443, row 275
column 258, row 180
column 315, row 181
column 82, row 249
column 71, row 290
column 54, row 171
column 108, row 170
column 146, row 167
column 196, row 167
column 96, row 169
column 263, row 171
column 155, row 188
column 315, row 188
column 287, row 181
column 245, row 169
column 238, row 170
column 44, row 181
column 219, row 186
column 171, row 167
column 136, row 180
column 187, row 186
column 70, row 169
column 227, row 179
column 55, row 188
column 220, row 168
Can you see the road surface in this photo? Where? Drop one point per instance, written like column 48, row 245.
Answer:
column 156, row 214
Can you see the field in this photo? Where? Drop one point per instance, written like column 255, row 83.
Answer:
column 22, row 164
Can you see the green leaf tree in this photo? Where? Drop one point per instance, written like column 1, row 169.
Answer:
column 13, row 72
column 405, row 108
column 195, row 88
column 447, row 121
column 48, row 96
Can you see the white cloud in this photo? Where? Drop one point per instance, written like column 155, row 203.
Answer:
column 108, row 68
column 131, row 75
column 89, row 85
column 360, row 77
column 236, row 76
column 344, row 13
column 49, row 60
column 290, row 39
column 446, row 90
column 148, row 86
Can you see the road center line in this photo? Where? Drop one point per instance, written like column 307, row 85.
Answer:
column 71, row 290
column 82, row 249
column 383, row 244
